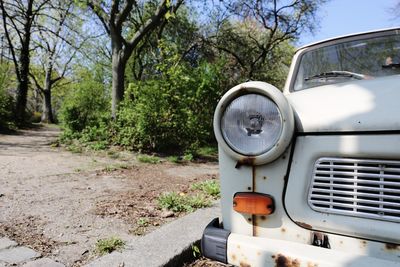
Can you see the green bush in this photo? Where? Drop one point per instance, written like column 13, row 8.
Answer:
column 172, row 111
column 6, row 110
column 84, row 113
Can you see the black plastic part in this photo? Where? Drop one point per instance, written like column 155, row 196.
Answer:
column 214, row 242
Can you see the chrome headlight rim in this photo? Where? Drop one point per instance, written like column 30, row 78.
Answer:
column 284, row 108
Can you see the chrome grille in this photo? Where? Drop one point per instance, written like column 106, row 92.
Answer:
column 356, row 187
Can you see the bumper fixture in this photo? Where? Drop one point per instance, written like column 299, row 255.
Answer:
column 214, row 242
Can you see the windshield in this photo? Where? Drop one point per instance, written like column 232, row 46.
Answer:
column 369, row 58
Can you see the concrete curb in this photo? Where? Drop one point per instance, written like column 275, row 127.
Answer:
column 170, row 245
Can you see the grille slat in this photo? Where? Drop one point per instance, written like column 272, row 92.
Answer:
column 359, row 175
column 356, row 187
column 361, row 201
column 361, row 181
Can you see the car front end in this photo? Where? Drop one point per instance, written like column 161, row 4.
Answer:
column 311, row 176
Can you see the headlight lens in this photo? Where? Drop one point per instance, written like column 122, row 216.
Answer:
column 251, row 124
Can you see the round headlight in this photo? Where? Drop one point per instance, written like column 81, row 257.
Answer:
column 251, row 124
column 254, row 123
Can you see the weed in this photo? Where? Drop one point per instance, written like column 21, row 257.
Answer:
column 141, row 225
column 143, row 222
column 148, row 159
column 108, row 245
column 188, row 157
column 123, row 166
column 196, row 251
column 182, row 203
column 209, row 187
column 74, row 148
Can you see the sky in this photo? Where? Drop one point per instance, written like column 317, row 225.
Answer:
column 341, row 17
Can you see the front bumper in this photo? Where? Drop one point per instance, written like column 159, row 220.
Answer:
column 242, row 250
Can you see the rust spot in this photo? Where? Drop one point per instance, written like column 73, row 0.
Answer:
column 283, row 230
column 363, row 243
column 258, row 253
column 255, row 225
column 233, row 256
column 390, row 246
column 254, row 178
column 263, row 217
column 243, row 264
column 304, row 225
column 283, row 261
column 238, row 246
column 311, row 264
column 245, row 161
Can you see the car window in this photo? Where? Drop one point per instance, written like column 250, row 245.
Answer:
column 368, row 58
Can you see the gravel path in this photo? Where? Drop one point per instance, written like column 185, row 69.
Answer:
column 49, row 197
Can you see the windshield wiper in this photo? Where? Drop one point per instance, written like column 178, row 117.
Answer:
column 391, row 66
column 336, row 73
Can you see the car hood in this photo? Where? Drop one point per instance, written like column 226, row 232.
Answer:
column 366, row 105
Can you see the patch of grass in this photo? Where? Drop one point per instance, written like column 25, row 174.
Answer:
column 123, row 166
column 149, row 159
column 208, row 153
column 174, row 159
column 182, row 202
column 113, row 154
column 141, row 225
column 74, row 148
column 108, row 245
column 110, row 168
column 100, row 145
column 209, row 187
column 188, row 157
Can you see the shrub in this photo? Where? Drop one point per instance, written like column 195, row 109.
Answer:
column 86, row 105
column 172, row 111
column 6, row 110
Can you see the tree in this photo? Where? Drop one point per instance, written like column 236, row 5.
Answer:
column 115, row 15
column 18, row 21
column 58, row 41
column 250, row 31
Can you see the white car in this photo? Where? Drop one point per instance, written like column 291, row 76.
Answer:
column 311, row 176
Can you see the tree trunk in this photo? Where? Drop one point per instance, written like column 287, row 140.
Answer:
column 118, row 80
column 47, row 112
column 23, row 83
column 24, row 61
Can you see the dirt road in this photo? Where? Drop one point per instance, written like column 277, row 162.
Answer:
column 60, row 203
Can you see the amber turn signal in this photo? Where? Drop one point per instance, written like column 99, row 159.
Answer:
column 253, row 203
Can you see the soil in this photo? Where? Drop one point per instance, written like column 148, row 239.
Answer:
column 60, row 203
